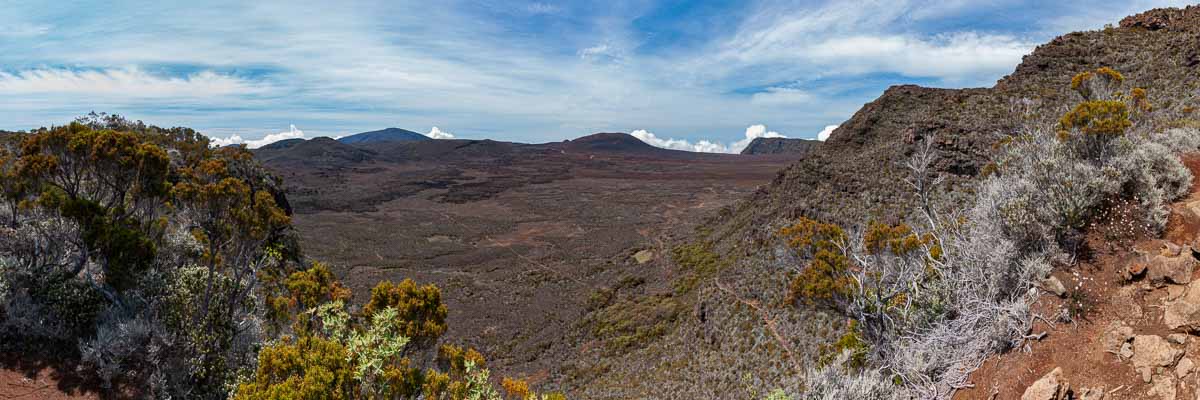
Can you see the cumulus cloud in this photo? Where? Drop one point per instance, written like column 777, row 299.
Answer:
column 707, row 146
column 824, row 134
column 122, row 82
column 292, row 133
column 703, row 146
column 753, row 132
column 436, row 133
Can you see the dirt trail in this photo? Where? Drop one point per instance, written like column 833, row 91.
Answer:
column 1099, row 292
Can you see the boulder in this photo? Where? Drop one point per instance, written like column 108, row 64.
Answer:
column 1049, row 387
column 1053, row 285
column 643, row 256
column 1176, row 269
column 1183, row 314
column 1164, row 388
column 1116, row 337
column 1184, row 367
column 1133, row 270
column 1151, row 352
column 1090, row 394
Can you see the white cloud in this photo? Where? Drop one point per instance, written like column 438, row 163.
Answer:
column 292, row 133
column 781, row 96
column 436, row 133
column 952, row 57
column 789, row 41
column 225, row 141
column 824, row 134
column 122, row 82
column 543, row 8
column 703, row 146
column 24, row 30
column 707, row 146
column 753, row 132
column 602, row 53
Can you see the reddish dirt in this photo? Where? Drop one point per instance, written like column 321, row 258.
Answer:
column 1076, row 347
column 23, row 378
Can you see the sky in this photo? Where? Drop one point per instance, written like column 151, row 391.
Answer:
column 693, row 75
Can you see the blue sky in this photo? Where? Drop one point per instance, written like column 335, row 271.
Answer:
column 676, row 72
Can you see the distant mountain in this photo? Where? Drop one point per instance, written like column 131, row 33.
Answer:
column 610, row 142
column 781, row 146
column 385, row 135
column 282, row 144
column 317, row 151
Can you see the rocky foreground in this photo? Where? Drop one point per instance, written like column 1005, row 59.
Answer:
column 1122, row 324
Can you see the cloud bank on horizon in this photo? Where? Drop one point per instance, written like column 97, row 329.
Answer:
column 707, row 146
column 521, row 70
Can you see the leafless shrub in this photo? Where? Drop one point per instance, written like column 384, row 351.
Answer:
column 837, row 381
column 932, row 317
column 120, row 341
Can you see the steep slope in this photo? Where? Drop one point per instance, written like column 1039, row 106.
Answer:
column 781, row 146
column 384, row 135
column 737, row 320
column 857, row 173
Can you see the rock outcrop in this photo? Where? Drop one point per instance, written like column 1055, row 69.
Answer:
column 1050, row 387
column 1183, row 314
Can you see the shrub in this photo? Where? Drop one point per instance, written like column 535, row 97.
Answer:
column 697, row 262
column 826, row 280
column 420, row 314
column 306, row 368
column 515, row 388
column 141, row 277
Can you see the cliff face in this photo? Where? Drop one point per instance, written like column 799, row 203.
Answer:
column 781, row 146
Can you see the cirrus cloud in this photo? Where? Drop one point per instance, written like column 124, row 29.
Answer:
column 123, row 82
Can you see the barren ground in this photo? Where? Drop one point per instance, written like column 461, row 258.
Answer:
column 517, row 239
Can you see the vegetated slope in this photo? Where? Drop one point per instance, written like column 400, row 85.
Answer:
column 781, row 145
column 524, row 239
column 385, row 135
column 853, row 177
column 737, row 320
column 1132, row 300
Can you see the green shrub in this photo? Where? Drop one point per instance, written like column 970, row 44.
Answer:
column 697, row 262
column 306, row 368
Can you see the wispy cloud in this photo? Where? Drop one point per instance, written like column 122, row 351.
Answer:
column 525, row 71
column 123, row 82
column 24, row 30
column 782, row 96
